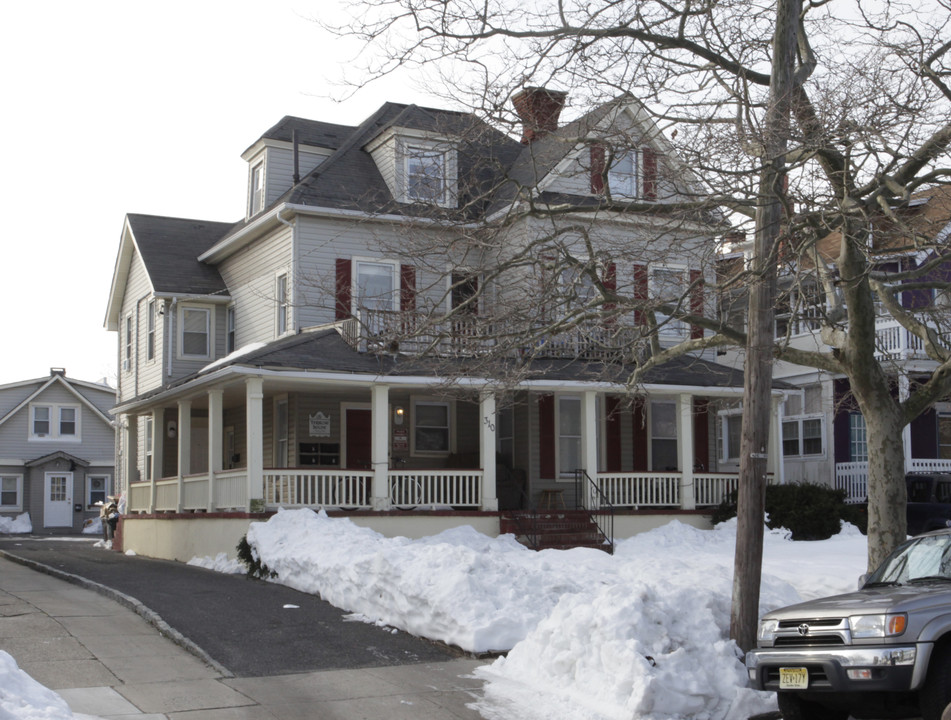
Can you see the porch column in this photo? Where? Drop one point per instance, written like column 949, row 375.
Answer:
column 904, row 390
column 158, row 447
column 184, row 448
column 379, row 447
column 774, row 460
column 589, row 446
column 489, row 426
column 254, row 408
column 128, row 452
column 215, row 434
column 688, row 496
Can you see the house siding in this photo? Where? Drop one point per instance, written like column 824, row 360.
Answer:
column 140, row 376
column 279, row 170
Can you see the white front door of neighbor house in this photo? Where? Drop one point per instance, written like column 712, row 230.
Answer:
column 58, row 500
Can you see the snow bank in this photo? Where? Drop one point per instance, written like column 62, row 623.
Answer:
column 220, row 563
column 19, row 524
column 639, row 635
column 22, row 698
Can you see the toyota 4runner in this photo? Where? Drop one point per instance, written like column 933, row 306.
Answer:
column 881, row 652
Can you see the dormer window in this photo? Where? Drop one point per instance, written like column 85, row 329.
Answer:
column 622, row 176
column 425, row 174
column 256, row 199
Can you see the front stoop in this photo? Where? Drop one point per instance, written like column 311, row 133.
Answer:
column 555, row 529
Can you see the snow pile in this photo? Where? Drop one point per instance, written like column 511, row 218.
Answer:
column 19, row 524
column 642, row 634
column 93, row 526
column 220, row 563
column 22, row 698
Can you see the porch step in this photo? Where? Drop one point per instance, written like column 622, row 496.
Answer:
column 556, row 529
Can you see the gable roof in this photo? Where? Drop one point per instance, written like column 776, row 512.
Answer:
column 169, row 248
column 66, row 383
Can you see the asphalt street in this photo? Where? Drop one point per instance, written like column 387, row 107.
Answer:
column 241, row 624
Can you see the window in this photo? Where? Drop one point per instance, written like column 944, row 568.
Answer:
column 148, row 448
column 150, row 332
column 431, row 428
column 425, row 174
column 11, row 493
column 622, row 176
column 798, row 312
column 196, row 332
column 376, row 286
column 730, row 441
column 127, row 361
column 667, row 288
column 97, row 487
column 256, row 200
column 664, row 436
column 569, row 436
column 282, row 304
column 505, row 435
column 464, row 293
column 802, row 436
column 280, row 433
column 229, row 332
column 52, row 422
column 944, row 436
column 858, row 440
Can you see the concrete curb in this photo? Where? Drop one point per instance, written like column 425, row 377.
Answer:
column 149, row 615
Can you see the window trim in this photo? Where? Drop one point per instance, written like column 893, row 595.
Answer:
column 107, row 479
column 282, row 302
column 230, row 329
column 55, row 421
column 723, row 439
column 209, row 311
column 450, row 406
column 256, row 194
column 563, row 474
column 799, row 421
column 356, row 294
column 18, row 507
column 671, row 327
column 624, row 184
column 428, row 157
column 127, row 360
column 148, row 447
column 150, row 331
column 281, row 404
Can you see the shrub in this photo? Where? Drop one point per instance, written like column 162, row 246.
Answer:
column 256, row 569
column 808, row 511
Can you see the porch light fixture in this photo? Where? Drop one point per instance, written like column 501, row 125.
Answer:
column 398, row 415
column 172, row 429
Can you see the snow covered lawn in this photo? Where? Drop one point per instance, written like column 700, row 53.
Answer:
column 639, row 635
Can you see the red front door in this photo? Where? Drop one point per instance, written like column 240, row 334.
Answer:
column 359, row 439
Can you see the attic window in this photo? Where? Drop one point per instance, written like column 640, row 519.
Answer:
column 425, row 174
column 622, row 177
column 256, row 199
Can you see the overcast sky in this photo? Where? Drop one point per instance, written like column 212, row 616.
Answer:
column 127, row 106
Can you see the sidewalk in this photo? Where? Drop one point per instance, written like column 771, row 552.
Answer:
column 106, row 660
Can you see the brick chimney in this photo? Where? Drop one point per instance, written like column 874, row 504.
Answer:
column 538, row 109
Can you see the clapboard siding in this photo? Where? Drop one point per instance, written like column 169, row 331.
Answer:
column 137, row 377
column 251, row 277
column 279, row 170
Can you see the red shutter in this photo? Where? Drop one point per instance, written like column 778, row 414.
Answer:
column 639, row 436
column 407, row 288
column 546, row 436
column 696, row 301
column 343, row 289
column 612, row 408
column 701, row 434
column 597, row 169
column 640, row 292
column 650, row 174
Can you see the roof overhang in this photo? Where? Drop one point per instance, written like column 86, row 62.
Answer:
column 120, row 275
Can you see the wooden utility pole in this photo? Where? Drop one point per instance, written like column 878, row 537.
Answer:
column 758, row 376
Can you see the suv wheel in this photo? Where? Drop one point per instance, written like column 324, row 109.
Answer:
column 936, row 693
column 794, row 707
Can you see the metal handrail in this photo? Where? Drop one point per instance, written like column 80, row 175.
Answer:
column 603, row 515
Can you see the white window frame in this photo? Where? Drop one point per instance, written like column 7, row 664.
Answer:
column 150, row 331
column 858, row 427
column 18, row 479
column 149, row 448
column 668, row 325
column 55, row 422
column 426, row 157
column 230, row 330
column 450, row 406
column 209, row 312
column 282, row 294
column 357, row 305
column 106, row 480
column 127, row 360
column 799, row 422
column 282, row 435
column 623, row 183
column 564, row 474
column 654, row 436
column 726, row 418
column 256, row 188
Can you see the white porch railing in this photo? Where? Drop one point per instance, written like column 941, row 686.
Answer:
column 641, row 489
column 710, row 489
column 231, row 490
column 455, row 488
column 853, row 476
column 139, row 496
column 317, row 488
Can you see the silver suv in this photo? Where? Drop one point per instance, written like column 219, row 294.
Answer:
column 881, row 652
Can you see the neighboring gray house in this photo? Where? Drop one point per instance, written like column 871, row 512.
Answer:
column 57, row 450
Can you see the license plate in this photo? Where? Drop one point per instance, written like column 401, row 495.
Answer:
column 795, row 678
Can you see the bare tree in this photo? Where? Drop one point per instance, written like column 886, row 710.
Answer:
column 867, row 88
